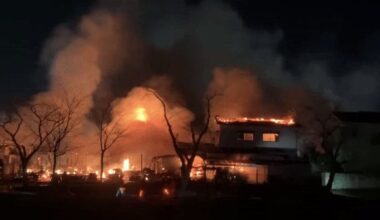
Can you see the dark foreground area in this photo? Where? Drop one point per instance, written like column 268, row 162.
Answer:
column 94, row 205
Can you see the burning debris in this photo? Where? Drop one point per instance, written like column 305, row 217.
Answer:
column 126, row 165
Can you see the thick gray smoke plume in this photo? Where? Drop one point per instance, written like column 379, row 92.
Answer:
column 218, row 38
column 79, row 58
column 120, row 48
column 86, row 60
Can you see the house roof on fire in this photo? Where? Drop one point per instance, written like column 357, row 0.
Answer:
column 359, row 117
column 256, row 121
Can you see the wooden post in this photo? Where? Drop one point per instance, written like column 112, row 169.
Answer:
column 141, row 162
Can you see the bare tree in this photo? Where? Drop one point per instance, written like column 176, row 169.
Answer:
column 67, row 120
column 326, row 137
column 186, row 157
column 28, row 130
column 109, row 132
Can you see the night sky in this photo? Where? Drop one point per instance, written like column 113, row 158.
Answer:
column 343, row 38
column 25, row 27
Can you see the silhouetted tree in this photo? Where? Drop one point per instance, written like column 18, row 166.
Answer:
column 67, row 120
column 109, row 132
column 28, row 129
column 186, row 157
column 325, row 136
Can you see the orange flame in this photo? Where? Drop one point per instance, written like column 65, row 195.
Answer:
column 140, row 114
column 281, row 121
column 126, row 165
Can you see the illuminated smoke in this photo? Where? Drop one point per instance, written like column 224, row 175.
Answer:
column 238, row 93
column 113, row 56
column 79, row 59
column 142, row 114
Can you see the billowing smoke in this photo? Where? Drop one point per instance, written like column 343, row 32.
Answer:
column 217, row 37
column 142, row 114
column 85, row 61
column 79, row 59
column 121, row 48
column 239, row 93
column 238, row 88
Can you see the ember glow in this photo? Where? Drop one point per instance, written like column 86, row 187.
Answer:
column 281, row 121
column 126, row 165
column 166, row 192
column 140, row 114
column 141, row 193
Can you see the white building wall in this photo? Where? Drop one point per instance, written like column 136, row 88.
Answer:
column 345, row 181
column 359, row 151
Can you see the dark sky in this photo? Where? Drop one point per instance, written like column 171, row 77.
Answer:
column 320, row 28
column 345, row 36
column 25, row 25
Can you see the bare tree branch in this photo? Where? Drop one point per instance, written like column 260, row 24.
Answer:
column 168, row 124
column 327, row 129
column 34, row 121
column 108, row 133
column 66, row 121
column 185, row 158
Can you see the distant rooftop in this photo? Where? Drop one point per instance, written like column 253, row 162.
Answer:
column 359, row 117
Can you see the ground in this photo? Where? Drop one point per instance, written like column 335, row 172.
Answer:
column 100, row 203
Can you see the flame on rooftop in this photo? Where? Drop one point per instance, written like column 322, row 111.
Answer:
column 281, row 121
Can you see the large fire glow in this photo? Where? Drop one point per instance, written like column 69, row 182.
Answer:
column 281, row 121
column 126, row 165
column 140, row 114
column 111, row 171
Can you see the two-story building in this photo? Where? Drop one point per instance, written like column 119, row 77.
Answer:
column 262, row 150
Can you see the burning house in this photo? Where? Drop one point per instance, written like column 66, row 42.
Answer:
column 257, row 134
column 262, row 150
column 258, row 150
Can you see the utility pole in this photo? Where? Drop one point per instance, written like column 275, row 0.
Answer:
column 141, row 162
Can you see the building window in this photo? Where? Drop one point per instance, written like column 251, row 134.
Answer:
column 246, row 136
column 270, row 137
